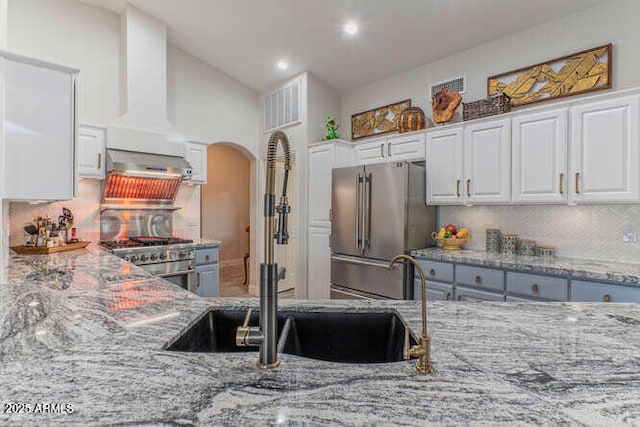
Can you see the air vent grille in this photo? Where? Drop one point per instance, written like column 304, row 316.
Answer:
column 454, row 85
column 282, row 107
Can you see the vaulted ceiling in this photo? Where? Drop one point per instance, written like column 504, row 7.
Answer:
column 245, row 39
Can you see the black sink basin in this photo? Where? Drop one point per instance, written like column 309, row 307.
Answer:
column 332, row 336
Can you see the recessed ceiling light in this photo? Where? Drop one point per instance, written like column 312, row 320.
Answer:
column 351, row 28
column 283, row 65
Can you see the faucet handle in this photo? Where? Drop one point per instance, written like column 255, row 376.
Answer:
column 247, row 317
column 406, row 349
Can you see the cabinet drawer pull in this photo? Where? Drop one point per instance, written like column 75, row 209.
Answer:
column 561, row 183
column 207, row 258
column 389, row 149
column 382, row 150
column 447, row 296
column 577, row 179
column 458, row 188
column 459, row 297
column 468, row 190
column 432, row 272
column 99, row 161
column 606, row 298
column 477, row 279
column 198, row 280
column 534, row 288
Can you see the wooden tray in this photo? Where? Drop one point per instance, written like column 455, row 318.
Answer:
column 28, row 250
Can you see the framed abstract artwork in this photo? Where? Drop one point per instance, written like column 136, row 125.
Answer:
column 378, row 121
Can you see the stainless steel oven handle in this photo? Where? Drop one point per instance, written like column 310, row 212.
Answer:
column 176, row 273
column 362, row 262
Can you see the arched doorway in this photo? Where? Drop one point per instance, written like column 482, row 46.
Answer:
column 226, row 214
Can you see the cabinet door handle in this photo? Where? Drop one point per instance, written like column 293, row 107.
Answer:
column 459, row 297
column 389, row 149
column 197, row 279
column 606, row 298
column 207, row 258
column 534, row 288
column 477, row 279
column 432, row 272
column 382, row 150
column 458, row 188
column 468, row 188
column 577, row 182
column 99, row 161
column 561, row 183
column 447, row 296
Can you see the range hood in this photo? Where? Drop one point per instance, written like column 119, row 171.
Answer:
column 142, row 180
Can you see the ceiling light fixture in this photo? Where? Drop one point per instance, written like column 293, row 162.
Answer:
column 283, row 65
column 351, row 28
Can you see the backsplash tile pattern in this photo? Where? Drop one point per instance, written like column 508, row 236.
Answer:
column 86, row 209
column 593, row 232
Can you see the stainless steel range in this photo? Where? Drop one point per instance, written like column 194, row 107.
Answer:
column 136, row 215
column 171, row 258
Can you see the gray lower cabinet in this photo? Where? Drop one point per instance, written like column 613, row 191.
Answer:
column 207, row 272
column 435, row 291
column 481, row 278
column 467, row 294
column 535, row 286
column 582, row 290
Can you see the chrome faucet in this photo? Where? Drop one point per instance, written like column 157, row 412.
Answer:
column 265, row 336
column 422, row 350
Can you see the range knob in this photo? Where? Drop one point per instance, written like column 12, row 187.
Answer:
column 154, row 257
column 163, row 256
column 126, row 258
column 134, row 258
column 144, row 257
column 172, row 255
column 182, row 254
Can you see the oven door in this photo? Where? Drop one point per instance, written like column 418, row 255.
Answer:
column 180, row 273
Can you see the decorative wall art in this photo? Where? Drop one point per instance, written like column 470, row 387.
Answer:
column 378, row 121
column 444, row 104
column 582, row 72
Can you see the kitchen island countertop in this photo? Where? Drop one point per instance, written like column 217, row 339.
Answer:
column 87, row 329
column 577, row 268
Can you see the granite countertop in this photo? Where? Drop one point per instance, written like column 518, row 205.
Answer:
column 207, row 243
column 86, row 329
column 611, row 271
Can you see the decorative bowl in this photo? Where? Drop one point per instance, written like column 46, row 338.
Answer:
column 451, row 243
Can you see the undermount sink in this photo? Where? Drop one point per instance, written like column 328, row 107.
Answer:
column 345, row 337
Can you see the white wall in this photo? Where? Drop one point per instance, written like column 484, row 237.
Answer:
column 615, row 21
column 77, row 35
column 207, row 105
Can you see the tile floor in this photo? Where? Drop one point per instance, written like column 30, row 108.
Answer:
column 231, row 278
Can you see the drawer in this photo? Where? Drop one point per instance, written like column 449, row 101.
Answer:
column 534, row 285
column 206, row 256
column 603, row 292
column 435, row 291
column 438, row 271
column 485, row 278
column 465, row 294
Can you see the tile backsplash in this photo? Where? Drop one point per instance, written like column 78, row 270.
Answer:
column 594, row 232
column 86, row 209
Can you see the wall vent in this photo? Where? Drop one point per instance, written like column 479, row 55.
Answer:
column 459, row 84
column 282, row 107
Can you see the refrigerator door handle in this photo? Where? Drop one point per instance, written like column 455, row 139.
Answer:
column 366, row 227
column 358, row 209
column 361, row 261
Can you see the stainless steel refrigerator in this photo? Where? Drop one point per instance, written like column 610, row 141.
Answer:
column 378, row 212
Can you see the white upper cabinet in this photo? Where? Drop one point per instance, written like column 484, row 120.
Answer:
column 604, row 151
column 406, row 147
column 374, row 151
column 539, row 161
column 39, row 130
column 445, row 173
column 196, row 156
column 91, row 152
column 399, row 147
column 487, row 162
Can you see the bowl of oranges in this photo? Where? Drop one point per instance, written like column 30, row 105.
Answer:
column 451, row 238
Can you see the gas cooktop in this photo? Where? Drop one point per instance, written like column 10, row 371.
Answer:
column 139, row 242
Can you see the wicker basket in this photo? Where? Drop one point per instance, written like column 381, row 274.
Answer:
column 497, row 104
